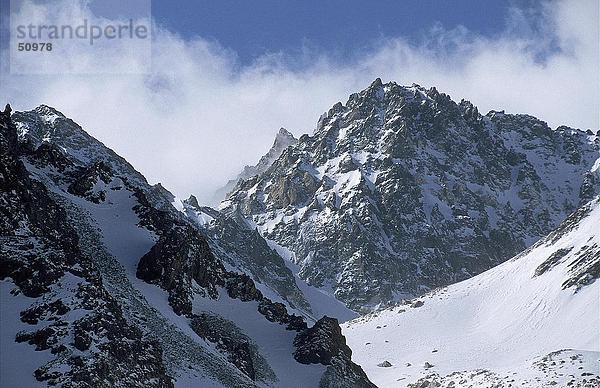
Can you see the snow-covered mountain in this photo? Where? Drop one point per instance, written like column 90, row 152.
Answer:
column 242, row 248
column 105, row 283
column 402, row 190
column 283, row 139
column 533, row 321
column 106, row 280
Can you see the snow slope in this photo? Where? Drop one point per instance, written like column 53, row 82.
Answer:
column 321, row 302
column 144, row 260
column 501, row 326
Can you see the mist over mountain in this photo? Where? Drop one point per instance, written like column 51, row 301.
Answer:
column 401, row 190
column 106, row 283
column 409, row 240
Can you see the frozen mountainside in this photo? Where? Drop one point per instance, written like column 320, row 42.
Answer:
column 105, row 283
column 242, row 248
column 283, row 139
column 45, row 124
column 402, row 190
column 532, row 321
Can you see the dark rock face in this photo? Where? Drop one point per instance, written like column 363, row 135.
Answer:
column 320, row 343
column 402, row 190
column 242, row 287
column 324, row 344
column 180, row 256
column 242, row 247
column 38, row 249
column 49, row 154
column 88, row 178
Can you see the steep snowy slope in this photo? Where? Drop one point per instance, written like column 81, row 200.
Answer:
column 402, row 190
column 532, row 321
column 241, row 247
column 118, row 288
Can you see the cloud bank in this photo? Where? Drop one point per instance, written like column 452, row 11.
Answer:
column 199, row 116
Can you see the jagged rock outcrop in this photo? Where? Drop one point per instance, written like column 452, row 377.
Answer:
column 324, row 344
column 283, row 139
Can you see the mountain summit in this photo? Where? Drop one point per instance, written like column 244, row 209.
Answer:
column 402, row 190
column 283, row 139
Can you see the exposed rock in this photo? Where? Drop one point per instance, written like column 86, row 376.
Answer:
column 552, row 260
column 90, row 182
column 320, row 343
column 401, row 190
column 324, row 344
column 179, row 257
column 227, row 338
column 38, row 249
column 417, row 304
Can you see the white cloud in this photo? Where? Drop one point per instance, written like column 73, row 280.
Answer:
column 201, row 115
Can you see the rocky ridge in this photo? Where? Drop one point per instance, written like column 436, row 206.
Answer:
column 283, row 139
column 63, row 187
column 402, row 190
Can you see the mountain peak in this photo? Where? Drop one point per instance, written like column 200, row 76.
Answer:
column 377, row 83
column 7, row 110
column 192, row 201
column 48, row 110
column 408, row 158
column 283, row 138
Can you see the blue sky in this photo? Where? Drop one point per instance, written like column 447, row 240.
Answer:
column 340, row 27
